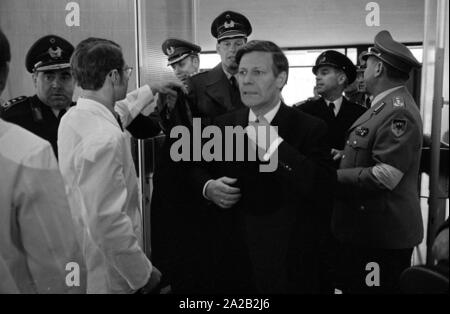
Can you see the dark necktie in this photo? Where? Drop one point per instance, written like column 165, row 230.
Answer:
column 367, row 102
column 234, row 92
column 331, row 106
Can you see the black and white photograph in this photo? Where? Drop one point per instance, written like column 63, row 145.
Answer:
column 224, row 155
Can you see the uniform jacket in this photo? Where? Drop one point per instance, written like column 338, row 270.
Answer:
column 274, row 219
column 210, row 94
column 32, row 114
column 37, row 234
column 365, row 212
column 101, row 182
column 337, row 125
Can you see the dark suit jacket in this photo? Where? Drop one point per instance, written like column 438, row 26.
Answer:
column 275, row 219
column 338, row 125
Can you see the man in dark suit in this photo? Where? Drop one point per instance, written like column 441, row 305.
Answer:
column 264, row 220
column 334, row 72
column 211, row 93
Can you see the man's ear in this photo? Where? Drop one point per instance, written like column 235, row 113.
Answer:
column 342, row 78
column 217, row 47
column 281, row 79
column 34, row 76
column 379, row 69
column 196, row 62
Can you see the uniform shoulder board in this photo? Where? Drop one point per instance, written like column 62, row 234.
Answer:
column 11, row 103
column 310, row 99
column 200, row 73
column 300, row 103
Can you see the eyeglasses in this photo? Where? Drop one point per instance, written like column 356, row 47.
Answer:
column 128, row 70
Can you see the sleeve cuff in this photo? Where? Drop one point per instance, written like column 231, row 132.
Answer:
column 204, row 189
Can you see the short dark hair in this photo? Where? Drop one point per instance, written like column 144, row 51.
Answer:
column 395, row 74
column 280, row 62
column 5, row 52
column 93, row 59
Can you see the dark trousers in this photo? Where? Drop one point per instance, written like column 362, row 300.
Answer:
column 357, row 276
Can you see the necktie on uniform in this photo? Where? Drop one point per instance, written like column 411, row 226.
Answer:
column 234, row 92
column 331, row 106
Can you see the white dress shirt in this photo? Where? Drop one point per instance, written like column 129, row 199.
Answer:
column 101, row 183
column 337, row 104
column 37, row 233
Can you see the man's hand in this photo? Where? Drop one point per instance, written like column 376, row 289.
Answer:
column 222, row 193
column 336, row 154
column 167, row 87
column 166, row 100
column 153, row 282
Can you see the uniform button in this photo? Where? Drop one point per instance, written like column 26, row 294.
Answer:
column 355, row 142
column 348, row 142
column 362, row 207
column 343, row 156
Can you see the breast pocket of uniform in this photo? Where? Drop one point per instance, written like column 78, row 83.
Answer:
column 362, row 151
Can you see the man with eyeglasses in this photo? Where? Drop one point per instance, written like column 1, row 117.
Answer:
column 99, row 174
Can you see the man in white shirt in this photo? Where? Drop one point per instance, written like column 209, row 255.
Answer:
column 99, row 174
column 39, row 252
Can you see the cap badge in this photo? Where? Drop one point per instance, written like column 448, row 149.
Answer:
column 55, row 53
column 323, row 59
column 229, row 24
column 170, row 51
column 52, row 40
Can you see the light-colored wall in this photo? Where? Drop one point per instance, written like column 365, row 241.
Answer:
column 25, row 21
column 302, row 23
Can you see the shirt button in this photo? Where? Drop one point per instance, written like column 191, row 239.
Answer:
column 362, row 207
column 355, row 142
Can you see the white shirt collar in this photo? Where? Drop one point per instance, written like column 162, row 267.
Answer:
column 337, row 104
column 269, row 116
column 384, row 94
column 97, row 108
